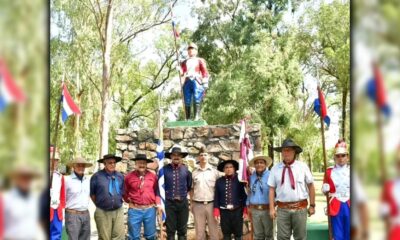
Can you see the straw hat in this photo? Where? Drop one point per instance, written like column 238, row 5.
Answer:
column 80, row 160
column 267, row 160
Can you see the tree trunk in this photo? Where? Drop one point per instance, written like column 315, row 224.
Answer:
column 105, row 93
column 344, row 102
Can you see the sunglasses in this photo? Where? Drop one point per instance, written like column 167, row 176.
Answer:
column 341, row 155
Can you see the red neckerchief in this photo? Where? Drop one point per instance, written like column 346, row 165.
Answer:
column 287, row 166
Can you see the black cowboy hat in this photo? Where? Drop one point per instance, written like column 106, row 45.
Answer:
column 143, row 157
column 109, row 156
column 176, row 150
column 289, row 143
column 222, row 164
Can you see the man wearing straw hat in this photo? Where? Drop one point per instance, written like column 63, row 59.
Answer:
column 230, row 200
column 258, row 198
column 178, row 182
column 20, row 212
column 202, row 197
column 141, row 193
column 77, row 218
column 57, row 196
column 337, row 187
column 292, row 182
column 106, row 189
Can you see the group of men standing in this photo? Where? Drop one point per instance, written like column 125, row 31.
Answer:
column 285, row 193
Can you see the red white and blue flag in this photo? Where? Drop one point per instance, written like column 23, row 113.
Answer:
column 320, row 107
column 376, row 91
column 246, row 152
column 175, row 29
column 68, row 105
column 9, row 91
column 161, row 184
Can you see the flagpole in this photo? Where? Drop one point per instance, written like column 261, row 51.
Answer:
column 55, row 136
column 177, row 58
column 325, row 166
column 160, row 136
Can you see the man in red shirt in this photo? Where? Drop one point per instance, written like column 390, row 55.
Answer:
column 196, row 81
column 140, row 192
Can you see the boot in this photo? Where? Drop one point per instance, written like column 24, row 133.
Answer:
column 187, row 112
column 197, row 108
column 182, row 237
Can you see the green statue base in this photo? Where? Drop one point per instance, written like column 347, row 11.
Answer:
column 190, row 123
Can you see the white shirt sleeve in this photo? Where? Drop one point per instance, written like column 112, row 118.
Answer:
column 271, row 178
column 308, row 176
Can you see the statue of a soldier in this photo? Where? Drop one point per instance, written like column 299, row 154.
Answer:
column 195, row 84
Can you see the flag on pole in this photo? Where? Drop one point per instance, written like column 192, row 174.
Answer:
column 246, row 152
column 9, row 91
column 320, row 107
column 161, row 185
column 175, row 29
column 68, row 105
column 376, row 91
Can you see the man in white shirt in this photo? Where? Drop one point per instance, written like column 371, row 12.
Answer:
column 202, row 197
column 77, row 218
column 20, row 212
column 292, row 182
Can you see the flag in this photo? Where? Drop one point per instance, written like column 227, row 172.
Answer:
column 161, row 185
column 376, row 91
column 9, row 91
column 246, row 152
column 68, row 105
column 320, row 107
column 175, row 29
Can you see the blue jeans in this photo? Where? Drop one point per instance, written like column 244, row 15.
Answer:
column 135, row 219
column 341, row 223
column 192, row 89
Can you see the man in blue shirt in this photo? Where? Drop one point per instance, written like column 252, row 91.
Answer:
column 258, row 199
column 178, row 182
column 230, row 200
column 106, row 189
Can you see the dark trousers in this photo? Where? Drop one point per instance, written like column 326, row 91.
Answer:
column 177, row 218
column 232, row 223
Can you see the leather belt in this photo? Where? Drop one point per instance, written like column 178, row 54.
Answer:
column 293, row 205
column 176, row 199
column 137, row 206
column 203, row 202
column 260, row 206
column 76, row 211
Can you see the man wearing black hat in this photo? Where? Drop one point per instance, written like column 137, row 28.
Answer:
column 178, row 182
column 230, row 200
column 140, row 192
column 292, row 182
column 106, row 189
column 196, row 81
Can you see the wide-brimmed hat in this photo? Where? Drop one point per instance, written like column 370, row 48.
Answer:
column 56, row 153
column 192, row 45
column 21, row 170
column 109, row 156
column 143, row 157
column 222, row 164
column 266, row 159
column 176, row 150
column 289, row 143
column 80, row 160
